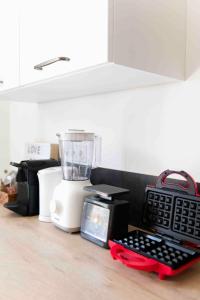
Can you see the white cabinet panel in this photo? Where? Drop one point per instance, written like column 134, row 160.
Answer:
column 152, row 35
column 61, row 28
column 9, row 44
column 193, row 39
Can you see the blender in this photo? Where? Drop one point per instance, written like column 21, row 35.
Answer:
column 77, row 152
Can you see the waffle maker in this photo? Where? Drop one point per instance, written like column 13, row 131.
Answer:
column 172, row 217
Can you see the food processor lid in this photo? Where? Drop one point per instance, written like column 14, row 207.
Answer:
column 76, row 135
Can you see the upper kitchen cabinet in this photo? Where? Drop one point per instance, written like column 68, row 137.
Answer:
column 61, row 36
column 9, row 49
column 73, row 48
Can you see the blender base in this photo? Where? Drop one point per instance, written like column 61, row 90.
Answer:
column 67, row 205
column 68, row 230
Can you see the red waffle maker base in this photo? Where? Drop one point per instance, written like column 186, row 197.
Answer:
column 139, row 262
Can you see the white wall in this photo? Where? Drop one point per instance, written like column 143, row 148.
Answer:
column 144, row 130
column 23, row 128
column 163, row 129
column 100, row 114
column 4, row 137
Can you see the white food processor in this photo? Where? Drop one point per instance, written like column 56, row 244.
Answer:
column 77, row 152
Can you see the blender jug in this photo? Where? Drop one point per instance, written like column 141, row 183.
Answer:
column 77, row 152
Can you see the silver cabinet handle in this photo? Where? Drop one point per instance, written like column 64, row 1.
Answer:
column 50, row 61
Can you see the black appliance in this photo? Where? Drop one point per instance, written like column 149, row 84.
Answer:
column 27, row 201
column 103, row 217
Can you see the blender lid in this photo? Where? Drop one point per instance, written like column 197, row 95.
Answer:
column 76, row 135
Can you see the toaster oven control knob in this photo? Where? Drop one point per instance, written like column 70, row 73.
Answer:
column 56, row 207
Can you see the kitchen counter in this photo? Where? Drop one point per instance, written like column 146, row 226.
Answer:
column 39, row 261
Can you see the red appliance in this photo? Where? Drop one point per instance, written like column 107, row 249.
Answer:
column 172, row 216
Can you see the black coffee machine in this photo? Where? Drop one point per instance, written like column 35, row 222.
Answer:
column 27, row 201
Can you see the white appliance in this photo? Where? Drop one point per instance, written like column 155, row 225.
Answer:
column 77, row 149
column 48, row 180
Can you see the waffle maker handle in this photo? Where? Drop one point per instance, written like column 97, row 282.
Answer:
column 132, row 259
column 191, row 187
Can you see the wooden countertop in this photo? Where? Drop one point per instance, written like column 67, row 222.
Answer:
column 39, row 261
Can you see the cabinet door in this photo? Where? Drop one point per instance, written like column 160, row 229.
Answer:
column 50, row 29
column 9, row 49
column 150, row 35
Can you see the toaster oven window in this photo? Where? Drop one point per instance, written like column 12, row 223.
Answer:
column 95, row 221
